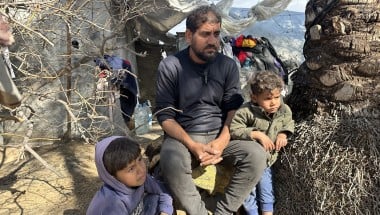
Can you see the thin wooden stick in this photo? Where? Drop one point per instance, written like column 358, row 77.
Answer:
column 34, row 153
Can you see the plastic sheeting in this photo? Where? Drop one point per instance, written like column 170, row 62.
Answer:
column 177, row 10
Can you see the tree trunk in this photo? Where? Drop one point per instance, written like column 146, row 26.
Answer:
column 342, row 56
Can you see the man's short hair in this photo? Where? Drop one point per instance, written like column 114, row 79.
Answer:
column 119, row 153
column 200, row 16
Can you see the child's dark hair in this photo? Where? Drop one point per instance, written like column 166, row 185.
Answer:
column 119, row 153
column 200, row 16
column 265, row 80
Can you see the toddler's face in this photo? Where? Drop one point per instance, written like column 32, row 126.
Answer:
column 134, row 174
column 270, row 101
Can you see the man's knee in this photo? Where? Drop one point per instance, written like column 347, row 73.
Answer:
column 172, row 159
column 169, row 160
column 256, row 158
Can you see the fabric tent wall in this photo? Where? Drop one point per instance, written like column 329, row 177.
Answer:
column 152, row 27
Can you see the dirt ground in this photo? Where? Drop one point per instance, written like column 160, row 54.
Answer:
column 27, row 187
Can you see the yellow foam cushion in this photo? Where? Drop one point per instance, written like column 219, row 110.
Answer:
column 212, row 178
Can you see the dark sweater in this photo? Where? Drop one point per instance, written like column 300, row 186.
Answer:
column 204, row 92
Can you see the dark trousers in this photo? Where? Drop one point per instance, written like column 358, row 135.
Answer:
column 247, row 157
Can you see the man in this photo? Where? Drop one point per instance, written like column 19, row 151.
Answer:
column 198, row 92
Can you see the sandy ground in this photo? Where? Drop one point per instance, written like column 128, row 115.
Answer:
column 27, row 187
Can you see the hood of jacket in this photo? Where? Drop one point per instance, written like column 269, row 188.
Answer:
column 129, row 196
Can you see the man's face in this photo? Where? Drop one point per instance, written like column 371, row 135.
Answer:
column 134, row 174
column 205, row 42
column 270, row 101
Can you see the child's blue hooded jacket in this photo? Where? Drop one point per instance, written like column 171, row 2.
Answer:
column 115, row 198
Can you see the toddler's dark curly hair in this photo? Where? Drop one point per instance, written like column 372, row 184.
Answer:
column 265, row 81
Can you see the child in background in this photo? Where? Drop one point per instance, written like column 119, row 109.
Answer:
column 127, row 188
column 265, row 120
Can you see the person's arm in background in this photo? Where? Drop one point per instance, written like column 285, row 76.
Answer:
column 6, row 37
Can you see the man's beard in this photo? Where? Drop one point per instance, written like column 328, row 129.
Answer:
column 206, row 56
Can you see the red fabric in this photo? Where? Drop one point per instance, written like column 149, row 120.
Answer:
column 242, row 56
column 239, row 41
column 102, row 74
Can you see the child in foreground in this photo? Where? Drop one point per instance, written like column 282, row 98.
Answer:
column 265, row 120
column 127, row 188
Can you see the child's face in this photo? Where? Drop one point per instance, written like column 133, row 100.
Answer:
column 270, row 101
column 134, row 174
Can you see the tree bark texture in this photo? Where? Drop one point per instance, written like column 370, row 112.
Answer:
column 342, row 54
